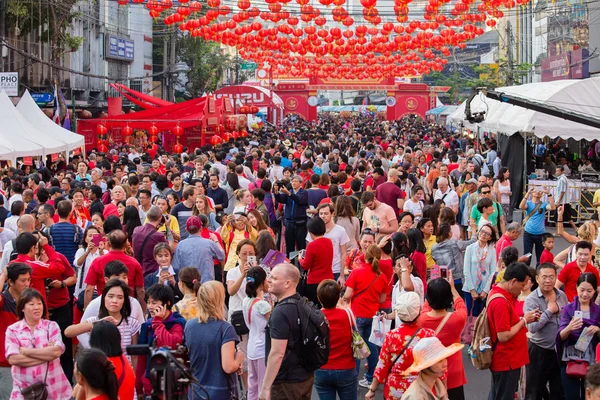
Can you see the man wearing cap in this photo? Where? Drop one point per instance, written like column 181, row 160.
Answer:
column 144, row 239
column 197, row 251
column 508, row 331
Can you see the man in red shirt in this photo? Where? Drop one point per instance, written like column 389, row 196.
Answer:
column 18, row 276
column 28, row 248
column 570, row 273
column 508, row 331
column 95, row 277
column 513, row 231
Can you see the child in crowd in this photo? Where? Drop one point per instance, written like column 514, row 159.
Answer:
column 548, row 243
column 163, row 329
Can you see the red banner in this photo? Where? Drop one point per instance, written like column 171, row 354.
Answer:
column 54, row 157
column 27, row 160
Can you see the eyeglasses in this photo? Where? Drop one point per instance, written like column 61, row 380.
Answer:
column 485, row 233
column 368, row 231
column 488, row 192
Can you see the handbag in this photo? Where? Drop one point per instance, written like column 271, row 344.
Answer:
column 442, row 323
column 577, row 369
column 238, row 322
column 466, row 336
column 39, row 390
column 360, row 350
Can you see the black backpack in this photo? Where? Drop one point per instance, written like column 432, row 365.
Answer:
column 313, row 352
column 13, row 254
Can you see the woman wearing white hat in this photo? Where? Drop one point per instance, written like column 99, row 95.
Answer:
column 396, row 353
column 431, row 362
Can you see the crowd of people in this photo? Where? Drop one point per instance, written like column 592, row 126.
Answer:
column 385, row 241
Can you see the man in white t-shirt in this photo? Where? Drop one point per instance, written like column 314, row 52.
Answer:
column 339, row 238
column 447, row 195
column 112, row 270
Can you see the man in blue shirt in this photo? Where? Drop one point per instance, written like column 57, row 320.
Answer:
column 217, row 194
column 66, row 236
column 535, row 213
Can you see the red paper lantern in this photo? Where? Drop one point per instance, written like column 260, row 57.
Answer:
column 153, row 131
column 101, row 129
column 177, row 131
column 215, row 140
column 244, row 133
column 122, row 2
column 127, row 131
column 177, row 148
column 103, row 148
column 226, row 137
column 253, row 110
column 153, row 139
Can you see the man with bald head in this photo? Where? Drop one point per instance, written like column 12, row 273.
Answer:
column 285, row 377
column 445, row 193
column 25, row 223
column 117, row 240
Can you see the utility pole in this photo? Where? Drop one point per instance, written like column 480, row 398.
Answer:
column 165, row 77
column 3, row 35
column 510, row 79
column 172, row 68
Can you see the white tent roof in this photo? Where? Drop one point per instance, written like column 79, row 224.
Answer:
column 578, row 95
column 30, row 110
column 16, row 134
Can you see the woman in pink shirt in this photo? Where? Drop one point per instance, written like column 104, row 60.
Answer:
column 29, row 342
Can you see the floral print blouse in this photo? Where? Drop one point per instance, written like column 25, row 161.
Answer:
column 396, row 383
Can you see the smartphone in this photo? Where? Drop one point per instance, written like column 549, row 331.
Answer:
column 443, row 272
column 252, row 260
column 434, row 272
column 578, row 314
column 164, row 269
column 96, row 238
column 528, row 255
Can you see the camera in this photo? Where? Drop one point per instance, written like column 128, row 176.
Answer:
column 169, row 376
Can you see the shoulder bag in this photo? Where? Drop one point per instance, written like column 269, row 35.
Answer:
column 403, row 349
column 442, row 323
column 38, row 391
column 537, row 206
column 360, row 350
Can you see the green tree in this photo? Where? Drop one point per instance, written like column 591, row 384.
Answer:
column 55, row 21
column 207, row 63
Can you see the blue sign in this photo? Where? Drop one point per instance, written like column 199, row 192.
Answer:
column 42, row 98
column 119, row 48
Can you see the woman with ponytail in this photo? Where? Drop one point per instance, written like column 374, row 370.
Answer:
column 256, row 314
column 95, row 375
column 366, row 289
column 189, row 283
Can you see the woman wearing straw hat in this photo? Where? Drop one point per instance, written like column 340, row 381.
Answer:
column 396, row 353
column 431, row 362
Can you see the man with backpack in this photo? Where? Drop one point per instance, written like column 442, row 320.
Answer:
column 290, row 334
column 508, row 333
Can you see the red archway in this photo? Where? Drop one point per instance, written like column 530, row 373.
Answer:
column 402, row 98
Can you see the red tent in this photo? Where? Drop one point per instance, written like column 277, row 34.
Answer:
column 198, row 118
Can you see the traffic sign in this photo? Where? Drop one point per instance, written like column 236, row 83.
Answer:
column 42, row 98
column 249, row 66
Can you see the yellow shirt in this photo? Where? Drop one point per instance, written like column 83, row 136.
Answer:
column 597, row 198
column 429, row 244
column 173, row 226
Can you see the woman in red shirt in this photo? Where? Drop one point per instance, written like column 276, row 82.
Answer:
column 105, row 336
column 339, row 376
column 366, row 290
column 318, row 258
column 96, row 378
column 442, row 295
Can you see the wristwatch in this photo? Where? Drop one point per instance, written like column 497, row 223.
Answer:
column 404, row 270
column 62, row 284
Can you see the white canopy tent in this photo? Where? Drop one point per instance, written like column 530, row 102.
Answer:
column 577, row 95
column 30, row 110
column 16, row 134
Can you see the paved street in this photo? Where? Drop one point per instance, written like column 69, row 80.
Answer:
column 478, row 384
